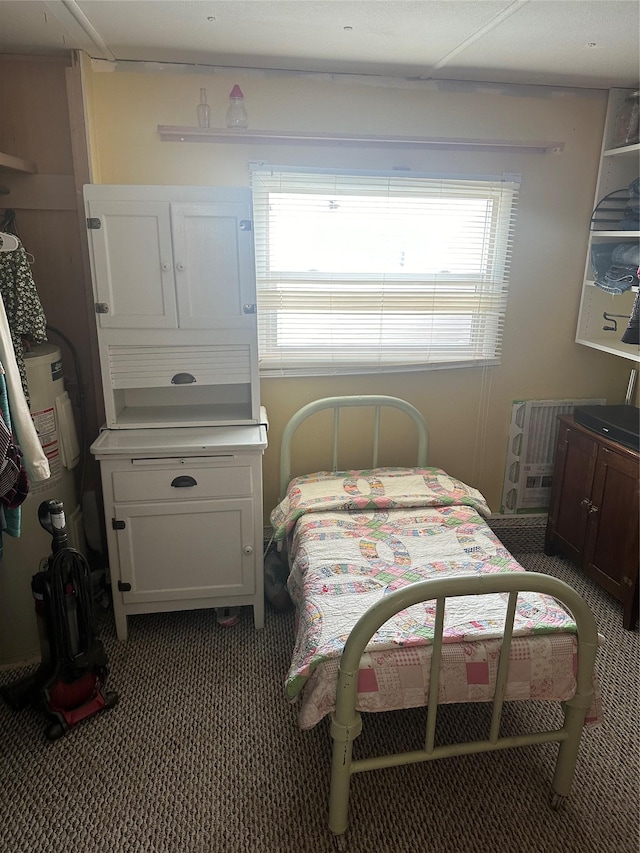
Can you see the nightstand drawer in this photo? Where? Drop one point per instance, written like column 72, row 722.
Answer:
column 182, row 482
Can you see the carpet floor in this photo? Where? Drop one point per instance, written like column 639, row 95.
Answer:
column 203, row 754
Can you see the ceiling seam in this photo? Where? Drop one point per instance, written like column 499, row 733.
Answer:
column 513, row 7
column 81, row 19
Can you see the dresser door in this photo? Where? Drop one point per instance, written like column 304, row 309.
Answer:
column 611, row 550
column 573, row 479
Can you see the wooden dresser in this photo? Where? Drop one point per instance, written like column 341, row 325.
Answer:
column 593, row 517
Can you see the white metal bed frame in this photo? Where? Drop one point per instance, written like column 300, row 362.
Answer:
column 377, row 401
column 346, row 722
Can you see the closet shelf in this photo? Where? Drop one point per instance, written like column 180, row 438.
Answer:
column 16, row 164
column 169, row 133
column 618, row 168
column 623, row 151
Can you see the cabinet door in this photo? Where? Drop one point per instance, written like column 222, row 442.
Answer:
column 573, row 478
column 186, row 550
column 214, row 265
column 611, row 550
column 133, row 264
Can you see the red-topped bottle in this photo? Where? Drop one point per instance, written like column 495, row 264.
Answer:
column 237, row 114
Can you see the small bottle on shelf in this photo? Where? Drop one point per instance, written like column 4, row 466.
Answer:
column 237, row 114
column 202, row 110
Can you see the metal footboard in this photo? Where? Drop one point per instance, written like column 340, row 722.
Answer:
column 346, row 722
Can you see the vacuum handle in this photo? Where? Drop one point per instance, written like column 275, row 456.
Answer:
column 52, row 519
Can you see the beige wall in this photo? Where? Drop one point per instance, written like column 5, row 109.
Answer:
column 467, row 410
column 39, row 123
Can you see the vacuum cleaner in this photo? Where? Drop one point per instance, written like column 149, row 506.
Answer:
column 70, row 685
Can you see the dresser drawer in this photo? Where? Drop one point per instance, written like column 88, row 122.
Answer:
column 186, row 481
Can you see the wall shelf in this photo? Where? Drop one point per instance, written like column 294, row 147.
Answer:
column 623, row 151
column 16, row 164
column 169, row 133
column 613, row 347
column 609, row 234
column 618, row 168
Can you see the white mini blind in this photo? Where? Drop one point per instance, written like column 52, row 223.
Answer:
column 372, row 272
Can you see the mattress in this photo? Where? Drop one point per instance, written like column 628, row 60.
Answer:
column 355, row 536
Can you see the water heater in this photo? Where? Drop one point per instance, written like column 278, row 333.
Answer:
column 53, row 419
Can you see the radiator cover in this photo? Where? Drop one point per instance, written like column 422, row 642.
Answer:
column 533, row 433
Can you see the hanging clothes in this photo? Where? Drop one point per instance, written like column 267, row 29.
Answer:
column 24, row 432
column 10, row 518
column 9, row 467
column 22, row 305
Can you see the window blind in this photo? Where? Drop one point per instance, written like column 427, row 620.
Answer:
column 360, row 272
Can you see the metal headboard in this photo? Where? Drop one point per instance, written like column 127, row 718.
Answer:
column 336, row 403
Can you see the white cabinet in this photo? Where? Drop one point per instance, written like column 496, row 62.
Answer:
column 181, row 457
column 174, row 285
column 183, row 509
column 169, row 265
column 603, row 317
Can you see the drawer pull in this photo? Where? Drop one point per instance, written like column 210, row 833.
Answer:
column 183, row 379
column 183, row 482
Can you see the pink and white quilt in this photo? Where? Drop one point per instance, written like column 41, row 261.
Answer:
column 356, row 536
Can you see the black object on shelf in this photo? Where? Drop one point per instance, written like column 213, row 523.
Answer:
column 632, row 332
column 619, row 423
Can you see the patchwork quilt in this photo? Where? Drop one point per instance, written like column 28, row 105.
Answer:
column 355, row 536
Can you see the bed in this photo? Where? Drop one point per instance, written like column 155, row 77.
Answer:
column 405, row 598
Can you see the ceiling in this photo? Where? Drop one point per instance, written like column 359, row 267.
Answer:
column 583, row 43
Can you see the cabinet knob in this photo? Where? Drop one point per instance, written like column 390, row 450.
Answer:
column 248, row 549
column 593, row 509
column 180, row 267
column 166, row 267
column 585, row 502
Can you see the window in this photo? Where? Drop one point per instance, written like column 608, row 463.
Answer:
column 373, row 272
